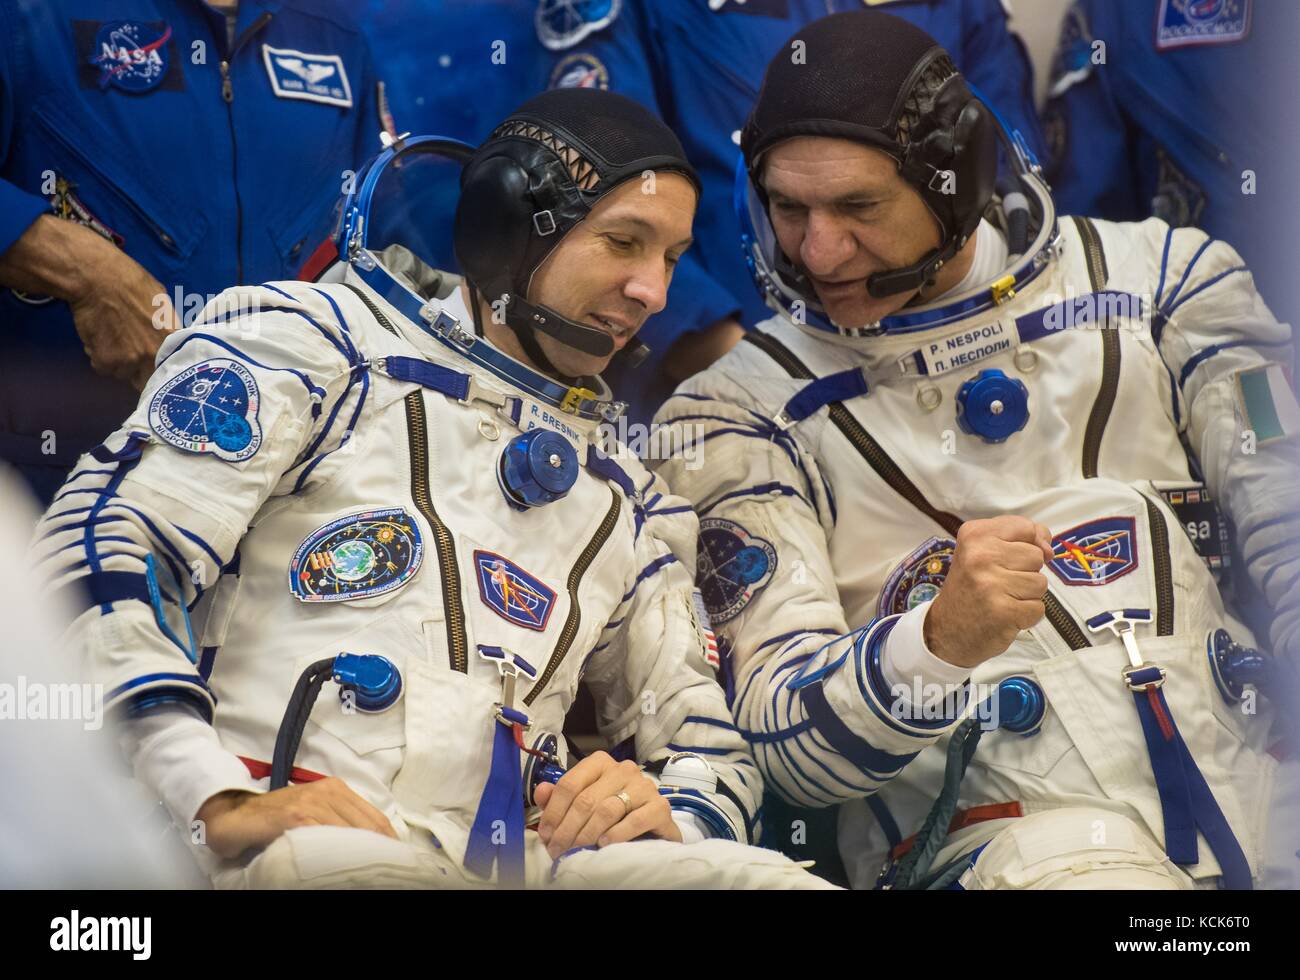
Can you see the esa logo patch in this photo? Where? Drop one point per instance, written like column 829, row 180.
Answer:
column 580, row 71
column 512, row 593
column 1187, row 22
column 732, row 565
column 563, row 23
column 918, row 577
column 1095, row 553
column 357, row 557
column 209, row 408
column 128, row 55
column 311, row 77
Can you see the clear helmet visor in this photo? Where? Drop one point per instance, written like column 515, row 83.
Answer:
column 403, row 205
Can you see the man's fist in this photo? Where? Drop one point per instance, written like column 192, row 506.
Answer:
column 994, row 589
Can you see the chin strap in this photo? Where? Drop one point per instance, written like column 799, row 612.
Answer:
column 912, row 277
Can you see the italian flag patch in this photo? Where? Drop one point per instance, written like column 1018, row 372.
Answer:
column 1268, row 403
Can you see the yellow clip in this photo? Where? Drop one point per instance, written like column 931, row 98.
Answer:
column 574, row 397
column 1002, row 289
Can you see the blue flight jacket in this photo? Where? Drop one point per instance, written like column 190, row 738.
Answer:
column 1185, row 111
column 700, row 65
column 210, row 165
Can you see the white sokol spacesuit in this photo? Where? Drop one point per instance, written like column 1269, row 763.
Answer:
column 1078, row 384
column 316, row 470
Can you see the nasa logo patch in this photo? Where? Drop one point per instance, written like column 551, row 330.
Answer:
column 563, row 23
column 1188, row 22
column 130, row 55
column 1095, row 553
column 580, row 71
column 357, row 557
column 209, row 408
column 310, row 77
column 731, row 567
column 918, row 577
column 512, row 593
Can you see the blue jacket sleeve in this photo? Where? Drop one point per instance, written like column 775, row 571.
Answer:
column 995, row 61
column 18, row 208
column 1090, row 147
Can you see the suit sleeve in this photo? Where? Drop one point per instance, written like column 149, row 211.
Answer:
column 1230, row 392
column 653, row 678
column 809, row 694
column 18, row 207
column 146, row 522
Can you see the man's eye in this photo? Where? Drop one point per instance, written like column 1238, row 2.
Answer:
column 622, row 244
column 789, row 207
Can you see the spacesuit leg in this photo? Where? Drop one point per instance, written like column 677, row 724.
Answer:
column 710, row 864
column 1074, row 848
column 345, row 857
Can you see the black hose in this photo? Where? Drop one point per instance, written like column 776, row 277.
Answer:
column 301, row 703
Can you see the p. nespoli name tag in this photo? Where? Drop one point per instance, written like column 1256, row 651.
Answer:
column 965, row 348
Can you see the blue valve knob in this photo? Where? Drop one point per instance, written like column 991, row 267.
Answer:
column 1021, row 705
column 992, row 406
column 374, row 681
column 1235, row 666
column 537, row 467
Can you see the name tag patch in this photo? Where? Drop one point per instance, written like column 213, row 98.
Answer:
column 968, row 347
column 209, row 408
column 310, row 77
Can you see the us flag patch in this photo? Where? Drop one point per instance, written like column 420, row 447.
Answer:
column 708, row 638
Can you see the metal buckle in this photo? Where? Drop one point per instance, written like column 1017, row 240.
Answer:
column 573, row 399
column 544, row 223
column 1003, row 289
column 782, row 420
column 1127, row 673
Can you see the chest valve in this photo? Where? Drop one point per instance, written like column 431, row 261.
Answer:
column 992, row 406
column 537, row 467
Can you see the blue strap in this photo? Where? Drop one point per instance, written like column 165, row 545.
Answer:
column 837, row 387
column 843, row 740
column 501, row 807
column 1081, row 311
column 132, row 449
column 605, row 468
column 1186, row 801
column 441, row 379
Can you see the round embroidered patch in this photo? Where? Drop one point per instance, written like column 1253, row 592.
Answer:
column 580, row 70
column 209, row 408
column 357, row 557
column 917, row 578
column 731, row 566
column 131, row 56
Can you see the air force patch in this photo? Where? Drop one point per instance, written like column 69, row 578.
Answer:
column 357, row 557
column 1186, row 22
column 732, row 565
column 1096, row 553
column 512, row 593
column 311, row 77
column 209, row 408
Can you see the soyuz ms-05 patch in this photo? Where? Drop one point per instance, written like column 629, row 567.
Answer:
column 512, row 593
column 209, row 408
column 357, row 557
column 731, row 566
column 1095, row 553
column 918, row 577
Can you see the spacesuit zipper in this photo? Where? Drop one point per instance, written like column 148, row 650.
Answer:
column 228, row 96
column 1163, row 563
column 1110, row 353
column 897, row 480
column 575, row 611
column 417, row 431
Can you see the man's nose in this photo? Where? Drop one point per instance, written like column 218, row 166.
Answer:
column 826, row 244
column 649, row 286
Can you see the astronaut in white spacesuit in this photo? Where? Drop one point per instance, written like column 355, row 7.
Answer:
column 943, row 503
column 382, row 499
